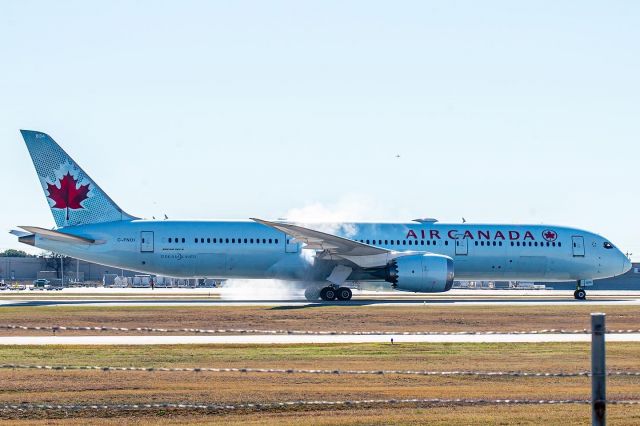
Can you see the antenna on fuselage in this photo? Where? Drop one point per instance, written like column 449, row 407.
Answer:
column 464, row 220
column 166, row 217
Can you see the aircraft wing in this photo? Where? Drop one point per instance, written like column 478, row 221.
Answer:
column 333, row 244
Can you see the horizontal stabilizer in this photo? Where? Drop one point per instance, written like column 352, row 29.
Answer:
column 57, row 235
column 18, row 233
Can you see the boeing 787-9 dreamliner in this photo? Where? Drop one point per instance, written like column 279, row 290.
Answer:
column 422, row 255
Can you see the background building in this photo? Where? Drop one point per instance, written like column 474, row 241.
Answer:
column 27, row 268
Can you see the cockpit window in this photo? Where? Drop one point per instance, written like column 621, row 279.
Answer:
column 607, row 245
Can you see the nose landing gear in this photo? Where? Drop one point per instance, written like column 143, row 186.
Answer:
column 580, row 293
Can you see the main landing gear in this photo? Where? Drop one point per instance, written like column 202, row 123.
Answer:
column 580, row 293
column 329, row 293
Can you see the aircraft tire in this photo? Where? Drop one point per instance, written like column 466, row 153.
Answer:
column 580, row 294
column 312, row 294
column 328, row 294
column 344, row 294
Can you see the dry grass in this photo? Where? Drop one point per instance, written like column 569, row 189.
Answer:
column 569, row 415
column 372, row 356
column 318, row 317
column 86, row 387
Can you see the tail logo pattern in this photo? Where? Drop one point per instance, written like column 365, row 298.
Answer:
column 68, row 192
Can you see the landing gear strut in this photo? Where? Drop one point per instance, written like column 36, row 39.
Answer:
column 330, row 293
column 579, row 294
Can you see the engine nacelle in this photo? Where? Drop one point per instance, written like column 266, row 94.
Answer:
column 424, row 273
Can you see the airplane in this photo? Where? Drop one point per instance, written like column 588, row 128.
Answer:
column 422, row 255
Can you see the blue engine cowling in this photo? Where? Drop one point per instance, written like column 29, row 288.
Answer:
column 423, row 273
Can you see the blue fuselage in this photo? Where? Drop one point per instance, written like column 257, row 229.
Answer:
column 249, row 250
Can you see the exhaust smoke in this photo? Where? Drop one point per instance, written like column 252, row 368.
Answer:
column 261, row 290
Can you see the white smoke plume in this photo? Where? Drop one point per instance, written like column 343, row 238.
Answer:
column 335, row 218
column 261, row 290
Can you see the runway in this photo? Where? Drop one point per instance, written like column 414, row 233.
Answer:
column 219, row 297
column 308, row 339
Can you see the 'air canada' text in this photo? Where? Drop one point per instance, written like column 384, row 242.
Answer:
column 454, row 234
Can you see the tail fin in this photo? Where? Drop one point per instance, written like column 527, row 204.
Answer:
column 74, row 198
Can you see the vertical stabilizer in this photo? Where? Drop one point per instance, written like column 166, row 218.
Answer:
column 74, row 198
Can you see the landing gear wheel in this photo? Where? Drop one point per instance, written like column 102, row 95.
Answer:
column 580, row 294
column 344, row 294
column 328, row 294
column 312, row 294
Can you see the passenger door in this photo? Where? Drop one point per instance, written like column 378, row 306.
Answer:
column 461, row 246
column 146, row 241
column 578, row 245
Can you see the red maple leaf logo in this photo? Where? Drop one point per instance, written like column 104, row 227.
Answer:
column 549, row 235
column 69, row 195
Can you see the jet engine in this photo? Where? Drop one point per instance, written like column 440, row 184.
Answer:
column 424, row 273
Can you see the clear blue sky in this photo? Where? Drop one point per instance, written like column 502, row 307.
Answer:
column 500, row 111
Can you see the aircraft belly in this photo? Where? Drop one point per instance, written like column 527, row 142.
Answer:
column 211, row 264
column 470, row 268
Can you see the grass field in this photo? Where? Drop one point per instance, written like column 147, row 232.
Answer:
column 117, row 387
column 319, row 317
column 88, row 387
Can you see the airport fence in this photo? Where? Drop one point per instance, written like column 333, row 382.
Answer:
column 297, row 404
column 61, row 328
column 316, row 371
